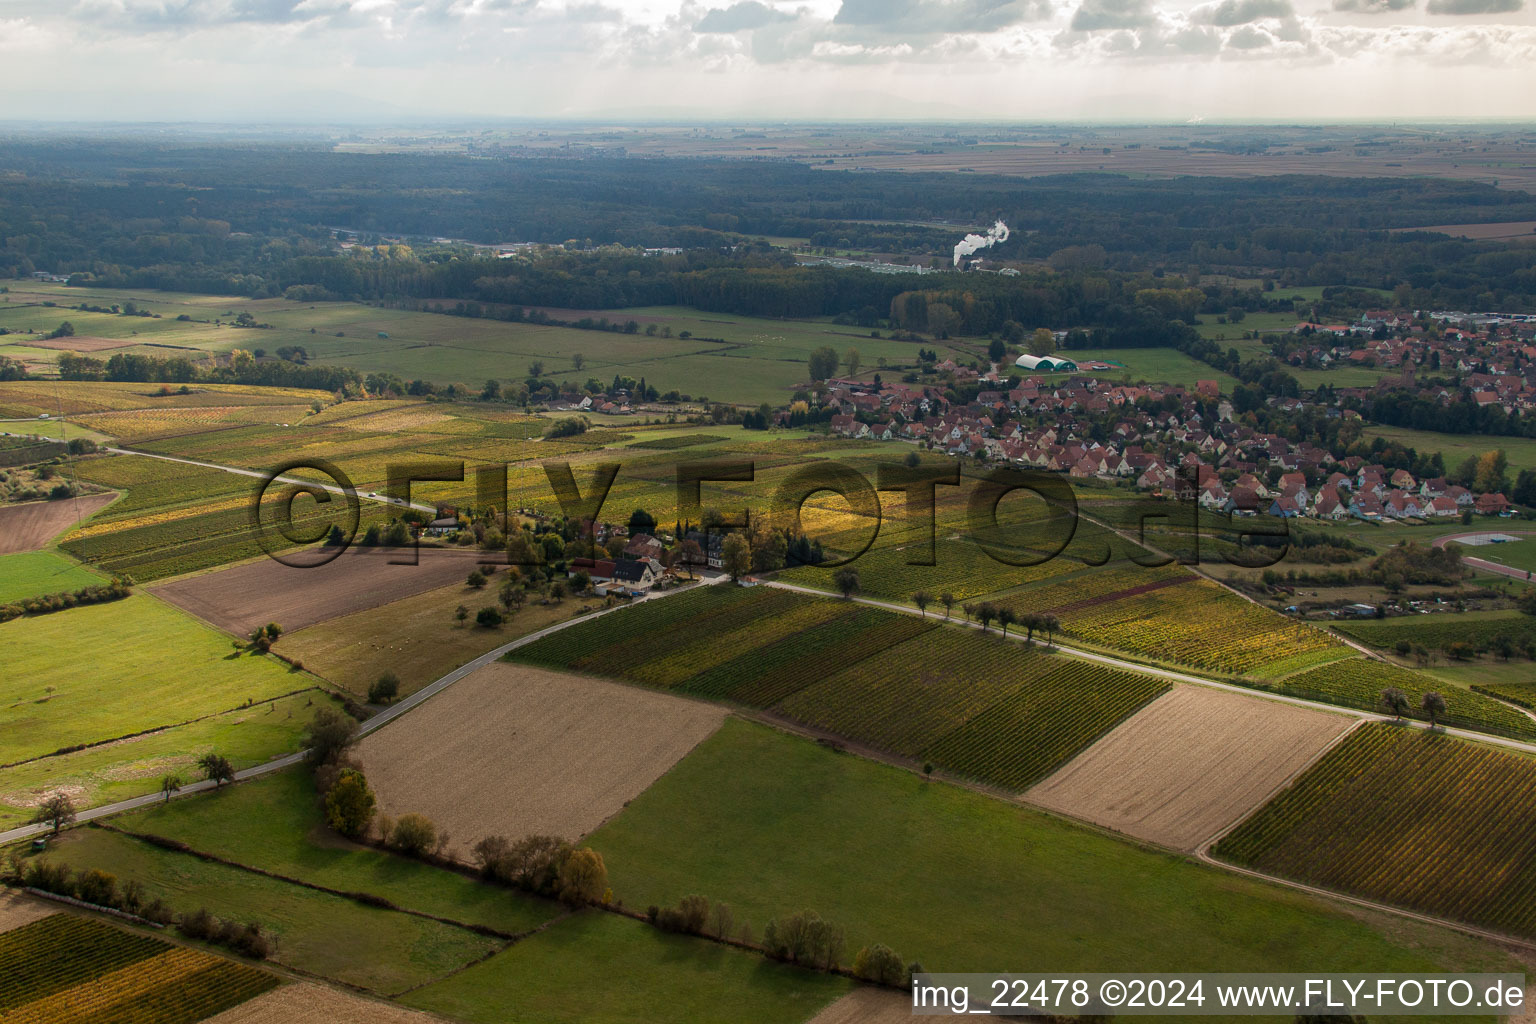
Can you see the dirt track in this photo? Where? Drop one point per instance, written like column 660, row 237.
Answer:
column 1191, row 763
column 32, row 525
column 513, row 750
column 17, row 910
column 243, row 597
column 302, row 1003
column 867, row 1006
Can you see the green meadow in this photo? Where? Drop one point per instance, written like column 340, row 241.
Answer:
column 101, row 672
column 34, row 573
column 955, row 879
column 596, row 968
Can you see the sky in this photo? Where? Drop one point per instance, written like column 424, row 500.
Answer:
column 1031, row 60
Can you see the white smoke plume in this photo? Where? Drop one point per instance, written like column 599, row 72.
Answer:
column 971, row 243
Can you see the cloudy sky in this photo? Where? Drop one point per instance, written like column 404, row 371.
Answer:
column 1016, row 59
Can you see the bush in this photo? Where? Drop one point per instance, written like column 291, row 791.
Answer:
column 582, row 876
column 413, row 835
column 476, row 579
column 350, row 804
column 490, row 617
column 384, row 689
column 98, row 887
column 199, row 925
column 880, row 964
column 804, row 938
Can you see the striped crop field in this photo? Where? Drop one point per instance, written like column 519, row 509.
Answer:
column 1358, row 683
column 1415, row 819
column 974, row 704
column 71, row 970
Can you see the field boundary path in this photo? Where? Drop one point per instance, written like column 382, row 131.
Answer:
column 373, row 724
column 257, row 474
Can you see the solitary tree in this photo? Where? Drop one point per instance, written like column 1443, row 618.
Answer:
column 578, row 360
column 985, row 614
column 948, row 601
column 1006, row 618
column 170, row 785
column 461, row 613
column 1395, row 701
column 736, row 556
column 1434, row 706
column 217, row 769
column 846, row 581
column 57, row 809
column 384, row 689
column 922, row 599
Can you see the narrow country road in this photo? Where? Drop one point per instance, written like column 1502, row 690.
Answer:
column 1183, row 677
column 373, row 724
column 258, row 475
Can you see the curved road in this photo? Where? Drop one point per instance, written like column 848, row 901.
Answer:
column 373, row 724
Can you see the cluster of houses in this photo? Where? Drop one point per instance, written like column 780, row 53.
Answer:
column 1060, row 426
column 1371, row 492
column 1494, row 353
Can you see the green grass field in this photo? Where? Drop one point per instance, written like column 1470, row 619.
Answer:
column 596, row 968
column 755, row 359
column 276, row 824
column 956, row 879
column 1519, row 554
column 1158, row 365
column 383, row 951
column 1414, row 819
column 1455, row 448
column 101, row 672
column 34, row 573
column 133, row 767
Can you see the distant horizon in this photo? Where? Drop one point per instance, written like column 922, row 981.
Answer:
column 1246, row 61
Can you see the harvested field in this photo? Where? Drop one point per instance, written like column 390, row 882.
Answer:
column 84, row 343
column 17, row 910
column 303, row 1003
column 1190, row 764
column 1519, row 229
column 866, row 1006
column 32, row 525
column 240, row 598
column 516, row 751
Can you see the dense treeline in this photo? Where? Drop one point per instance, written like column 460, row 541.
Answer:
column 256, row 219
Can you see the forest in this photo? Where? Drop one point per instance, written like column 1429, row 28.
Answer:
column 262, row 220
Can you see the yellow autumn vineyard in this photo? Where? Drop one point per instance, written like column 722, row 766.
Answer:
column 72, row 970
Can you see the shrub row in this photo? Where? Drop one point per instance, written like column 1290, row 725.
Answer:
column 119, row 588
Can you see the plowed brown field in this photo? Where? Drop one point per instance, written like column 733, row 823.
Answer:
column 1189, row 764
column 32, row 525
column 513, row 750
